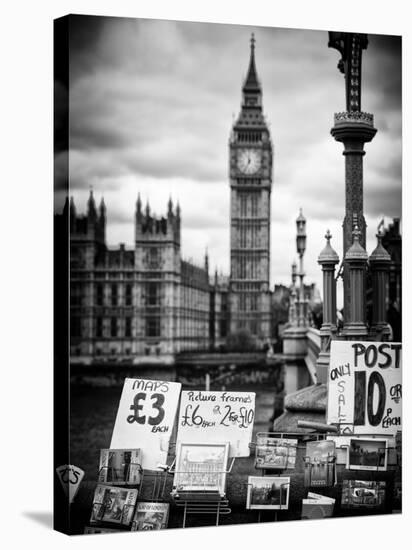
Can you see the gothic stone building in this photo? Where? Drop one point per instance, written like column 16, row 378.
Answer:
column 250, row 151
column 147, row 301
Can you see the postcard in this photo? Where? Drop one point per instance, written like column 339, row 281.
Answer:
column 367, row 454
column 268, row 493
column 120, row 466
column 315, row 496
column 113, row 504
column 150, row 516
column 320, row 464
column 275, row 453
column 316, row 509
column 363, row 494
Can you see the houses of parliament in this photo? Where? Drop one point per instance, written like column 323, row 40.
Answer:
column 148, row 301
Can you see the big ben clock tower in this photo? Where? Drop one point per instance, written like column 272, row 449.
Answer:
column 250, row 151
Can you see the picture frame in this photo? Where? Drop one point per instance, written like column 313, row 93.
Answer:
column 201, row 467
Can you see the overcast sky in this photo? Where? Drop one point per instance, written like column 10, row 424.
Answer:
column 151, row 108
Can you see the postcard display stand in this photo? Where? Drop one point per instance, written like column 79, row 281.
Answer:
column 350, row 471
column 294, row 471
column 254, row 446
column 201, row 501
column 335, row 473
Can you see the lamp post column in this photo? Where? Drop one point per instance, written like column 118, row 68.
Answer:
column 301, row 247
column 356, row 260
column 380, row 262
column 328, row 260
column 353, row 128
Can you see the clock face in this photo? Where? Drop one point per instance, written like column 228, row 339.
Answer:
column 249, row 161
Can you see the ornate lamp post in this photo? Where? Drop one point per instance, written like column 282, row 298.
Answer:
column 301, row 247
column 292, row 302
column 294, row 273
column 353, row 128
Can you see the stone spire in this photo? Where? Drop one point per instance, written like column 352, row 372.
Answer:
column 102, row 209
column 356, row 251
column 91, row 206
column 380, row 254
column 328, row 255
column 66, row 207
column 252, row 83
column 72, row 213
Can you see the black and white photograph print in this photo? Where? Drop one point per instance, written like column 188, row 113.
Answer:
column 228, row 202
column 367, row 454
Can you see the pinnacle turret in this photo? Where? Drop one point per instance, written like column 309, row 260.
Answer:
column 252, row 82
column 102, row 208
column 66, row 207
column 91, row 206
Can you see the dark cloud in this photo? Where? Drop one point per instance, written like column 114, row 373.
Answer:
column 61, row 171
column 85, row 32
column 383, row 76
column 61, row 117
column 151, row 107
column 385, row 201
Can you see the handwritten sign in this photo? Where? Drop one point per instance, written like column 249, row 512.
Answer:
column 217, row 417
column 365, row 387
column 145, row 419
column 70, row 477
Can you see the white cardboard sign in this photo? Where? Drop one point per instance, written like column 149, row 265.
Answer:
column 145, row 419
column 217, row 417
column 365, row 387
column 70, row 477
